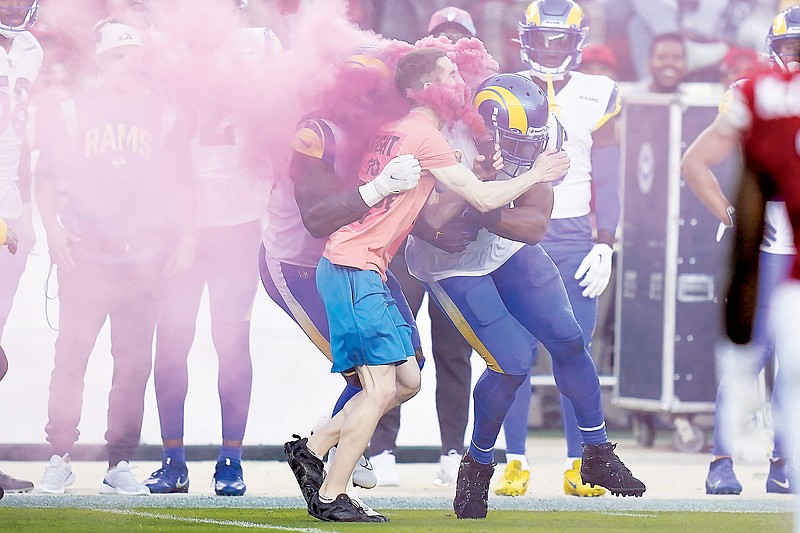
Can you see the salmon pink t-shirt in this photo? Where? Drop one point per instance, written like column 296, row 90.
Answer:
column 371, row 242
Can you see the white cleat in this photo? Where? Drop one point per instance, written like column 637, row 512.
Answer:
column 385, row 467
column 363, row 474
column 57, row 476
column 448, row 469
column 120, row 480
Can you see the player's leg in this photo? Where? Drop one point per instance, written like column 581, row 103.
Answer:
column 12, row 267
column 175, row 332
column 516, row 475
column 534, row 293
column 567, row 243
column 476, row 308
column 135, row 307
column 83, row 307
column 232, row 283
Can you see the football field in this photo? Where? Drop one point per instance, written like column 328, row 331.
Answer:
column 66, row 520
column 675, row 500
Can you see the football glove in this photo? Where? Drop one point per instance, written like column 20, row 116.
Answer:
column 595, row 269
column 400, row 174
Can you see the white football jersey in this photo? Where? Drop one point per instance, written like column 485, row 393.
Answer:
column 285, row 237
column 583, row 105
column 229, row 190
column 19, row 67
column 483, row 256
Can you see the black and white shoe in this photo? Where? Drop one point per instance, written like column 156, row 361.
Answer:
column 601, row 466
column 12, row 484
column 472, row 488
column 342, row 509
column 308, row 469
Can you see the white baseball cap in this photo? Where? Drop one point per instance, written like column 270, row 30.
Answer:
column 112, row 35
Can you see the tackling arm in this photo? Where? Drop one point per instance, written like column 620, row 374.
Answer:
column 526, row 222
column 323, row 207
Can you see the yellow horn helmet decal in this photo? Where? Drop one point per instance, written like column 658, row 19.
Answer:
column 517, row 118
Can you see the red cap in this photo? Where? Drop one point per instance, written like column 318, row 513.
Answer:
column 452, row 15
column 600, row 53
column 736, row 55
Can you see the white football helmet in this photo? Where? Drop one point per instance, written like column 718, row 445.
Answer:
column 17, row 16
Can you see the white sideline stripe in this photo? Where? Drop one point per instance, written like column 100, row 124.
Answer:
column 637, row 515
column 193, row 520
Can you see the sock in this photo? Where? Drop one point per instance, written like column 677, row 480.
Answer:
column 176, row 455
column 570, row 461
column 493, row 395
column 325, row 499
column 518, row 457
column 348, row 392
column 229, row 452
column 595, row 435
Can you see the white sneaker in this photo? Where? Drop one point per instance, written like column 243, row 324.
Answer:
column 120, row 480
column 57, row 476
column 363, row 474
column 353, row 494
column 448, row 469
column 385, row 467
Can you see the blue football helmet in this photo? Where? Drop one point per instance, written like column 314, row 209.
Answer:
column 17, row 16
column 514, row 110
column 551, row 37
column 785, row 28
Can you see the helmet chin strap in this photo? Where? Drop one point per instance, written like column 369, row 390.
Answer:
column 545, row 76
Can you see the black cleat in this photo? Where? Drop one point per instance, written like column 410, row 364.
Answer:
column 601, row 466
column 342, row 509
column 472, row 488
column 308, row 469
column 11, row 484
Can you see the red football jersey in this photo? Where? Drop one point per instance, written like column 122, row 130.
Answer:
column 769, row 116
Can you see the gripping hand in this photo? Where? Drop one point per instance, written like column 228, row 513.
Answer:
column 595, row 269
column 400, row 174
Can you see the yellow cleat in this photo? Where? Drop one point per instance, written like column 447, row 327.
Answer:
column 514, row 481
column 574, row 486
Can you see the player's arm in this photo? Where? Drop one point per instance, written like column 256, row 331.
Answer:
column 323, row 207
column 711, row 147
column 526, row 221
column 740, row 304
column 488, row 195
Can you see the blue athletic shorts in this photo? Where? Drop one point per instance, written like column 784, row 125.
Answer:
column 366, row 325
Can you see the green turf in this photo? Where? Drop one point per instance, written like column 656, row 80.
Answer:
column 21, row 520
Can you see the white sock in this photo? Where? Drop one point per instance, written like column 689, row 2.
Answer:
column 518, row 457
column 570, row 462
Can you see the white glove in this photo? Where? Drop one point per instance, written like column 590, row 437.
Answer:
column 400, row 174
column 595, row 269
column 723, row 226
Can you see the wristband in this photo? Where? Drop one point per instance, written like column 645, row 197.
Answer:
column 369, row 193
column 488, row 219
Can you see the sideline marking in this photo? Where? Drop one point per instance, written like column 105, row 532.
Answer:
column 194, row 520
column 636, row 515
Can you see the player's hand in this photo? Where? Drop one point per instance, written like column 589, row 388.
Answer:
column 182, row 257
column 725, row 225
column 400, row 174
column 487, row 171
column 11, row 241
column 60, row 241
column 595, row 269
column 551, row 165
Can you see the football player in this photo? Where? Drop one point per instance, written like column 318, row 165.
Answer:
column 777, row 252
column 503, row 289
column 21, row 60
column 551, row 36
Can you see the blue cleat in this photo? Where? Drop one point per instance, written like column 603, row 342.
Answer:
column 721, row 479
column 170, row 478
column 778, row 480
column 228, row 479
